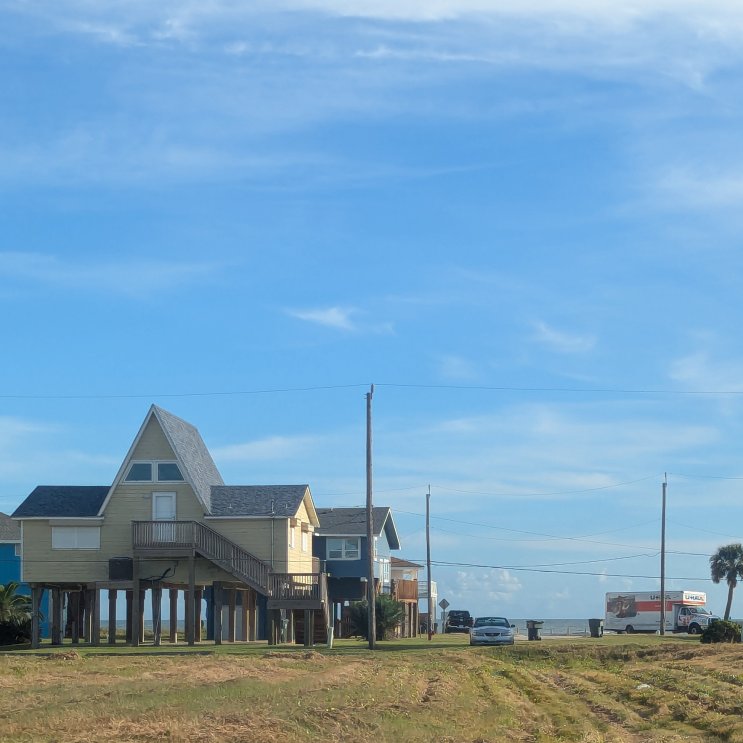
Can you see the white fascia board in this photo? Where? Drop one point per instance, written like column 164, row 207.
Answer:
column 11, row 541
column 128, row 456
column 266, row 517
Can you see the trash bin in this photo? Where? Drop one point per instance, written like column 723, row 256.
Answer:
column 596, row 626
column 532, row 629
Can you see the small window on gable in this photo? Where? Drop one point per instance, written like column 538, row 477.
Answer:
column 140, row 472
column 168, row 472
column 292, row 542
column 304, row 541
column 343, row 549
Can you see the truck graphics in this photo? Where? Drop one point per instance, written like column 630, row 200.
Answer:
column 640, row 612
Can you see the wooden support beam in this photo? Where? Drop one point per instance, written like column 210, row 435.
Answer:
column 244, row 616
column 198, row 598
column 272, row 627
column 136, row 605
column 173, row 614
column 217, row 598
column 56, row 615
column 112, row 595
column 252, row 615
column 73, row 612
column 190, row 593
column 95, row 618
column 157, row 602
column 142, row 592
column 309, row 626
column 129, row 616
column 232, row 611
column 36, row 594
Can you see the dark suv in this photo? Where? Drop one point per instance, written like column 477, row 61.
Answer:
column 458, row 621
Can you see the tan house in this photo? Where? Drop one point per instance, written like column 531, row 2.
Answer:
column 168, row 522
column 405, row 590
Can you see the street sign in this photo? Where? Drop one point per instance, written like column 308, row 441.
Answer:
column 444, row 604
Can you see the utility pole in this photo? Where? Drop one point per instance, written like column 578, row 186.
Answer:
column 663, row 559
column 428, row 560
column 370, row 588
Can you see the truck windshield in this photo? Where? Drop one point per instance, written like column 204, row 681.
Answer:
column 702, row 611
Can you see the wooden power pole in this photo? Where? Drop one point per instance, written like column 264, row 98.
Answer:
column 370, row 587
column 663, row 559
column 428, row 560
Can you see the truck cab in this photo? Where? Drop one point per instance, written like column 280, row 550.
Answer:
column 692, row 619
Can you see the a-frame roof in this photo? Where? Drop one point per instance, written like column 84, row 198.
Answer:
column 190, row 451
column 341, row 522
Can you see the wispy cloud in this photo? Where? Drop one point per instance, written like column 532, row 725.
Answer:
column 269, row 448
column 339, row 318
column 686, row 188
column 130, row 277
column 457, row 368
column 561, row 341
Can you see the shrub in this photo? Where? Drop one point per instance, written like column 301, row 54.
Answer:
column 721, row 631
column 15, row 631
column 388, row 614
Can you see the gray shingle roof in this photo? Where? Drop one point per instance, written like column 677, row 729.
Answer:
column 350, row 521
column 257, row 500
column 53, row 501
column 193, row 454
column 9, row 530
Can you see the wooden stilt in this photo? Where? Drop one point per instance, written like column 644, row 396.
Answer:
column 73, row 612
column 56, row 616
column 157, row 602
column 95, row 616
column 217, row 594
column 244, row 616
column 112, row 596
column 81, row 635
column 232, row 611
column 129, row 617
column 142, row 592
column 174, row 615
column 198, row 598
column 272, row 628
column 136, row 605
column 252, row 616
column 190, row 592
column 309, row 623
column 36, row 593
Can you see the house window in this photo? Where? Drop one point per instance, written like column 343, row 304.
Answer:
column 304, row 541
column 18, row 551
column 140, row 472
column 168, row 472
column 76, row 537
column 343, row 548
column 292, row 542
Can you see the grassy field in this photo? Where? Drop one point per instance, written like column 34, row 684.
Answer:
column 613, row 689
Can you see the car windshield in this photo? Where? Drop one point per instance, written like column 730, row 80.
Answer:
column 491, row 622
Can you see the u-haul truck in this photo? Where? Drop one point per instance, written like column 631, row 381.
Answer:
column 640, row 612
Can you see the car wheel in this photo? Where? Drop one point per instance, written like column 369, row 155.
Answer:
column 694, row 629
column 629, row 629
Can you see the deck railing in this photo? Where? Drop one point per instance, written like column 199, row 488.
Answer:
column 197, row 536
column 194, row 535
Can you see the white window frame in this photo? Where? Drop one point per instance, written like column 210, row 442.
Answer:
column 292, row 538
column 18, row 551
column 305, row 541
column 71, row 537
column 173, row 496
column 343, row 541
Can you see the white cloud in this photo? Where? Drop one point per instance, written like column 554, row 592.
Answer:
column 457, row 368
column 685, row 188
column 561, row 341
column 331, row 317
column 131, row 277
column 269, row 448
column 495, row 585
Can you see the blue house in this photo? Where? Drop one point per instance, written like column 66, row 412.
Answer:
column 10, row 562
column 341, row 544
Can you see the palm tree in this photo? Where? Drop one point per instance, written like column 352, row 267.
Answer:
column 13, row 606
column 727, row 564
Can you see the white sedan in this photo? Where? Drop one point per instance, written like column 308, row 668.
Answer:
column 491, row 631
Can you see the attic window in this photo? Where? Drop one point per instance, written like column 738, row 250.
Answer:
column 140, row 472
column 168, row 472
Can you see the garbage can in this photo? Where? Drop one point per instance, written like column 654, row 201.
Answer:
column 596, row 626
column 532, row 629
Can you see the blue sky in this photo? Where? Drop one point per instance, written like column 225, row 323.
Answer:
column 520, row 220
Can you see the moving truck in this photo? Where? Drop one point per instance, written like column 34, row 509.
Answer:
column 640, row 612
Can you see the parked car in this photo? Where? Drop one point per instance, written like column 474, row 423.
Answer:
column 458, row 620
column 491, row 631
